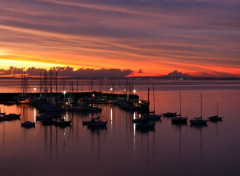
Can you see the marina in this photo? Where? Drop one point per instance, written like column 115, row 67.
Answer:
column 65, row 138
column 119, row 88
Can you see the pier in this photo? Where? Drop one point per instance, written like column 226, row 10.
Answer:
column 128, row 102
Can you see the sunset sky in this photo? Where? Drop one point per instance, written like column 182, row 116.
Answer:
column 200, row 37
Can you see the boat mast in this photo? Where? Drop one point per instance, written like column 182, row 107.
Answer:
column 40, row 83
column 180, row 94
column 153, row 99
column 201, row 105
column 217, row 108
column 56, row 80
column 148, row 94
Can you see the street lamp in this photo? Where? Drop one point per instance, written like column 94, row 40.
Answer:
column 134, row 91
column 64, row 93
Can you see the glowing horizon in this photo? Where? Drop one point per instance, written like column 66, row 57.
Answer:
column 151, row 38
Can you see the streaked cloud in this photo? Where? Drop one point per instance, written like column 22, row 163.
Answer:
column 156, row 36
column 65, row 72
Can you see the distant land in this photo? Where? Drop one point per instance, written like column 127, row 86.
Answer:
column 82, row 73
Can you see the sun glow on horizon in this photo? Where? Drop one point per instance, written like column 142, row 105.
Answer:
column 6, row 63
column 2, row 52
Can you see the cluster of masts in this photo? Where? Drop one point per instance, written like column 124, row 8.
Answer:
column 179, row 119
column 51, row 82
column 147, row 121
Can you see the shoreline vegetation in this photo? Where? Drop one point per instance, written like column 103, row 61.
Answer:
column 138, row 78
column 108, row 73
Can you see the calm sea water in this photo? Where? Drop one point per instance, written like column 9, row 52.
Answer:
column 121, row 149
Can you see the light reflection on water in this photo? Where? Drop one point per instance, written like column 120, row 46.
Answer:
column 121, row 149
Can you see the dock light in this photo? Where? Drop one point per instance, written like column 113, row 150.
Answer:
column 64, row 92
column 134, row 91
column 111, row 89
column 34, row 89
column 93, row 95
column 139, row 101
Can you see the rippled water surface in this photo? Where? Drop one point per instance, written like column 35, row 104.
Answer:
column 121, row 149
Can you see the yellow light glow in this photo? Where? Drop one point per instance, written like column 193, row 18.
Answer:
column 2, row 52
column 6, row 63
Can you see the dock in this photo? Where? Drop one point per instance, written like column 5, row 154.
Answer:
column 129, row 102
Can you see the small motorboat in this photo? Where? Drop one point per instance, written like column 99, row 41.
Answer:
column 62, row 123
column 198, row 121
column 215, row 118
column 170, row 114
column 28, row 124
column 179, row 120
column 97, row 123
column 145, row 126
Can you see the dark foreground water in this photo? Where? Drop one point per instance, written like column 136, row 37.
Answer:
column 121, row 149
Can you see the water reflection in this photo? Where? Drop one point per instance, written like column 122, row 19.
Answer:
column 178, row 128
column 120, row 148
column 134, row 131
column 3, row 137
column 98, row 136
column 200, row 129
column 111, row 117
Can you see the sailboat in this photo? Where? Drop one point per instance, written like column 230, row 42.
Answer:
column 23, row 98
column 170, row 114
column 28, row 124
column 215, row 118
column 145, row 126
column 152, row 115
column 62, row 123
column 95, row 123
column 179, row 119
column 199, row 120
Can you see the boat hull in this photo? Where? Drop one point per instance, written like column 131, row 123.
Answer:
column 179, row 120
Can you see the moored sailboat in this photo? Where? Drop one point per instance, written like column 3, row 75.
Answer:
column 152, row 115
column 179, row 119
column 198, row 120
column 215, row 118
column 28, row 124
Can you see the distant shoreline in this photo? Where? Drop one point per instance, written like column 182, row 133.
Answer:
column 141, row 78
